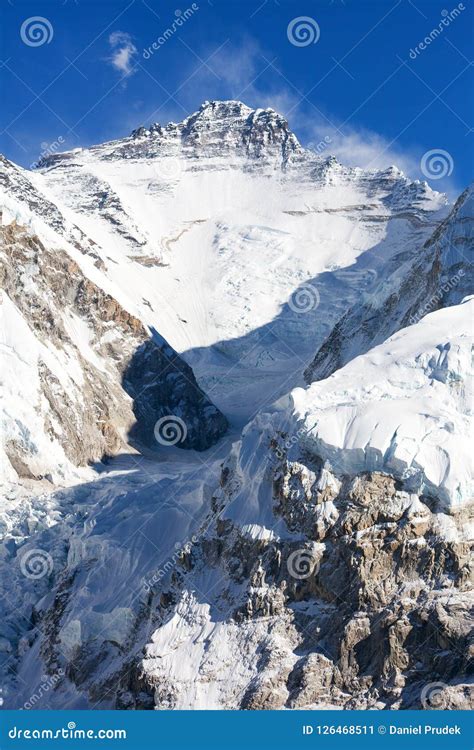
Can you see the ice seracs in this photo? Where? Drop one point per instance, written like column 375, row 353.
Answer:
column 403, row 408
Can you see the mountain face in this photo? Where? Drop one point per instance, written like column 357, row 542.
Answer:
column 221, row 129
column 413, row 285
column 79, row 368
column 220, row 230
column 309, row 547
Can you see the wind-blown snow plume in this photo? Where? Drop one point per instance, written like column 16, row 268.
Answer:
column 123, row 52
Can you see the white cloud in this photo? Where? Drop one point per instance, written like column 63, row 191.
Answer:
column 243, row 71
column 250, row 74
column 123, row 52
column 364, row 148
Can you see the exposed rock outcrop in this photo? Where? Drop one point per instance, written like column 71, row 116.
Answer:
column 366, row 607
column 99, row 374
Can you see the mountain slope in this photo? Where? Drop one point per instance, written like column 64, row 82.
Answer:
column 80, row 373
column 315, row 554
column 415, row 283
column 407, row 411
column 242, row 248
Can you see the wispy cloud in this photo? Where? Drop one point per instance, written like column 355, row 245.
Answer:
column 360, row 147
column 242, row 71
column 250, row 73
column 364, row 148
column 123, row 52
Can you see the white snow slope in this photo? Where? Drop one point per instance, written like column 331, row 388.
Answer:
column 404, row 408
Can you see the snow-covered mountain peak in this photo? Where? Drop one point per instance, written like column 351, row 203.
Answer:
column 212, row 204
column 227, row 111
column 225, row 128
column 229, row 134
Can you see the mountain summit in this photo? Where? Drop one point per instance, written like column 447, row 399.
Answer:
column 226, row 128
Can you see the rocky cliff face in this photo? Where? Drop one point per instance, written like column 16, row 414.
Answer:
column 336, row 586
column 93, row 372
column 223, row 129
column 364, row 604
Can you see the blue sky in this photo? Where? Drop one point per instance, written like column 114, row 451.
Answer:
column 359, row 79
